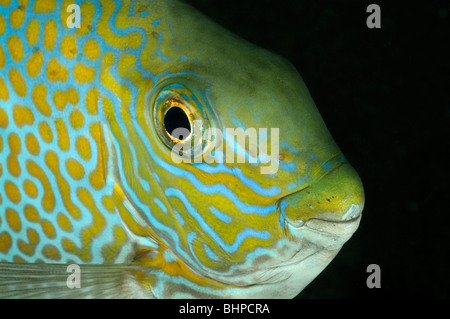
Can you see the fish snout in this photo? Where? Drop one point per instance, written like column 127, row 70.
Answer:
column 336, row 198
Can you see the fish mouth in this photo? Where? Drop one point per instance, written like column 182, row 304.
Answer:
column 332, row 204
column 316, row 242
column 334, row 227
column 316, row 220
column 327, row 227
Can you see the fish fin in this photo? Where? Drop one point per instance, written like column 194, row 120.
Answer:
column 40, row 280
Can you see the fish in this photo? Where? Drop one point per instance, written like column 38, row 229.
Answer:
column 148, row 152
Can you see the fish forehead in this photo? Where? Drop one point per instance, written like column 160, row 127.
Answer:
column 250, row 87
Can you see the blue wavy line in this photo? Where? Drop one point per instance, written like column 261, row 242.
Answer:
column 248, row 232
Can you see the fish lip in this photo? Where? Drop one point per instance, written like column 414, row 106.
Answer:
column 329, row 227
column 308, row 222
column 332, row 227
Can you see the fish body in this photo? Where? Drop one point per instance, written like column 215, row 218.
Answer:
column 88, row 176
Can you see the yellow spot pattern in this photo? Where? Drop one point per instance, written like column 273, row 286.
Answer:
column 34, row 63
column 17, row 82
column 51, row 252
column 15, row 48
column 88, row 10
column 3, row 118
column 51, row 159
column 32, row 32
column 92, row 49
column 48, row 198
column 69, row 47
column 132, row 40
column 76, row 119
column 33, row 239
column 32, row 144
column 61, row 97
column 64, row 223
column 4, row 94
column 62, row 134
column 56, row 72
column 22, row 115
column 5, row 3
column 110, row 251
column 32, row 215
column 13, row 219
column 83, row 148
column 17, row 17
column 90, row 232
column 45, row 132
column 75, row 169
column 92, row 101
column 12, row 161
column 39, row 96
column 30, row 188
column 55, row 170
column 44, row 6
column 5, row 242
column 98, row 177
column 2, row 58
column 50, row 31
column 108, row 203
column 48, row 229
column 83, row 73
column 2, row 24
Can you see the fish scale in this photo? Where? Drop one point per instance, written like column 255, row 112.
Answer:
column 87, row 177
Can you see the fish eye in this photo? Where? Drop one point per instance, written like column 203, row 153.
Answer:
column 178, row 114
column 176, row 122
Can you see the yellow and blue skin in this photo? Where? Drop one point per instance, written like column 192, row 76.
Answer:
column 87, row 178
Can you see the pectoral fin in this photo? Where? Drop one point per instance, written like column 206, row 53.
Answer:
column 39, row 280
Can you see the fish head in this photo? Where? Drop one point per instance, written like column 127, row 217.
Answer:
column 276, row 212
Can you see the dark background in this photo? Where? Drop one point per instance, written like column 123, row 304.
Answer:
column 385, row 97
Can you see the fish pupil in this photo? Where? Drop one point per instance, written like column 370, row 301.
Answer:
column 175, row 118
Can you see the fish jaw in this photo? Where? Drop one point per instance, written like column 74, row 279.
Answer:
column 318, row 219
column 319, row 241
column 310, row 244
